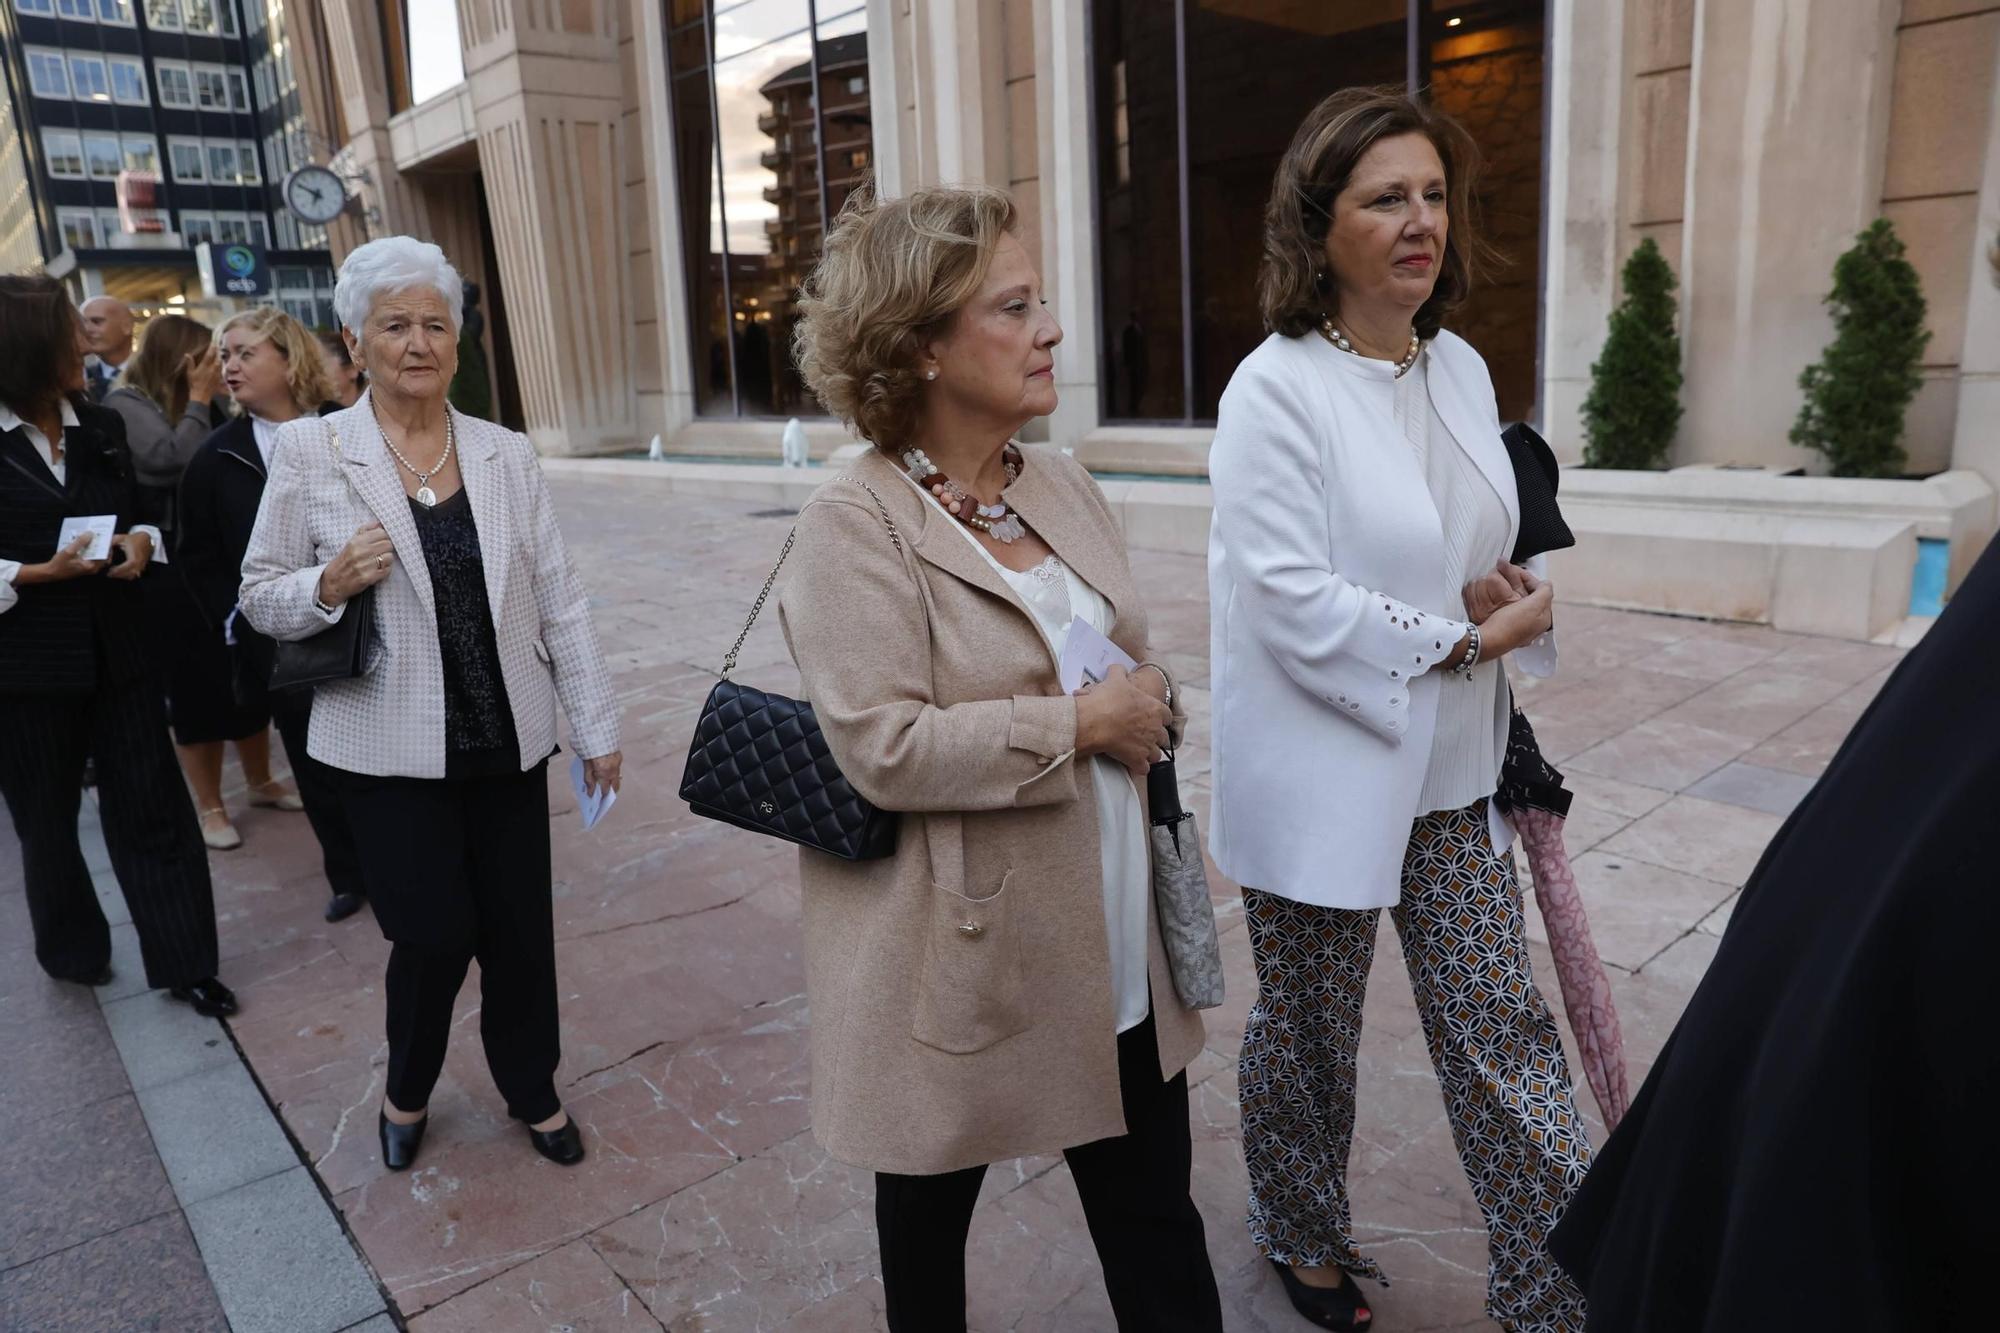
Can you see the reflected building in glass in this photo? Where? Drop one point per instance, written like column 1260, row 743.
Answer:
column 645, row 187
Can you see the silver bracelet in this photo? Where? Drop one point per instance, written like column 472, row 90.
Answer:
column 1471, row 657
column 1165, row 679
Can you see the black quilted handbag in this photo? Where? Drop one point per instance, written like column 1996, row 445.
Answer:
column 759, row 761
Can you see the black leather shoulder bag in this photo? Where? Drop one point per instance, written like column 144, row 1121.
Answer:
column 759, row 761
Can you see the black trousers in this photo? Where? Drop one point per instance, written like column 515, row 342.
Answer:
column 1135, row 1197
column 458, row 869
column 320, row 791
column 149, row 827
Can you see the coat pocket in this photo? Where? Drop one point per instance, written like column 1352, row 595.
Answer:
column 971, row 990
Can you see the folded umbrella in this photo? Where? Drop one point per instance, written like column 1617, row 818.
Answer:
column 1532, row 795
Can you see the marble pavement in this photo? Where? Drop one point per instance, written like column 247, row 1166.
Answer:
column 707, row 1205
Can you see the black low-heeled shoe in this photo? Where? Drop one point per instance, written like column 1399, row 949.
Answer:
column 210, row 998
column 1340, row 1307
column 399, row 1142
column 342, row 906
column 562, row 1146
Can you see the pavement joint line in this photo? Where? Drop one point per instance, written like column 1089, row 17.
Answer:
column 92, row 832
column 102, row 1235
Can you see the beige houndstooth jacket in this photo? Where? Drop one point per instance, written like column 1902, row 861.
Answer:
column 390, row 721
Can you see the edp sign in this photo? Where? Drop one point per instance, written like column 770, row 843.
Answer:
column 229, row 269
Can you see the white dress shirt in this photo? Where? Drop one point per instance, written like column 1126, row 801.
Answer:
column 59, row 467
column 266, row 433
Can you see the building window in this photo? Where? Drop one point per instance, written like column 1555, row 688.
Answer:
column 142, row 153
column 197, row 228
column 1178, row 222
column 87, row 78
column 117, row 13
column 288, row 231
column 48, row 75
column 246, row 162
column 62, row 154
column 39, row 8
column 226, row 15
column 78, row 227
column 221, row 163
column 232, row 228
column 185, row 157
column 199, row 15
column 260, row 232
column 757, row 89
column 175, row 82
column 104, row 157
column 80, row 10
column 239, row 89
column 163, row 15
column 128, row 81
column 109, row 226
column 211, row 88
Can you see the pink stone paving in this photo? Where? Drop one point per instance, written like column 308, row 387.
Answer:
column 707, row 1205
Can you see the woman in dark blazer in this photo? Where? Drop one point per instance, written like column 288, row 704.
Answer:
column 272, row 368
column 74, row 681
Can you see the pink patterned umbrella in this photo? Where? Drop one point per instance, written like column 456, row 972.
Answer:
column 1532, row 795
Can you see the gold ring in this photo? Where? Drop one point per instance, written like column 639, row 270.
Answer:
column 381, row 560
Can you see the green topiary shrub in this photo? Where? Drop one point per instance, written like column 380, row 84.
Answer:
column 1857, row 393
column 1634, row 403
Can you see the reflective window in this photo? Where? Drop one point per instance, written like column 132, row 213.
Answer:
column 773, row 133
column 437, row 61
column 42, row 8
column 1180, row 224
column 48, row 74
column 164, row 15
column 62, row 154
column 87, row 78
column 103, row 156
column 79, row 228
column 142, row 153
column 80, row 10
column 128, row 81
column 118, row 13
column 175, row 83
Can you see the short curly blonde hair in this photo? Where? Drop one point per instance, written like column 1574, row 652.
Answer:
column 894, row 273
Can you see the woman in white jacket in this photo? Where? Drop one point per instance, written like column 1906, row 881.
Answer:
column 1361, row 603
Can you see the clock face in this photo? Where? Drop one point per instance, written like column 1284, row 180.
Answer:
column 315, row 194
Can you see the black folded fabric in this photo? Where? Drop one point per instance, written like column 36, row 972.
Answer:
column 1536, row 477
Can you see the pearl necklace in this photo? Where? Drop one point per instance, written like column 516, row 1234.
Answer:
column 995, row 520
column 425, row 496
column 1339, row 339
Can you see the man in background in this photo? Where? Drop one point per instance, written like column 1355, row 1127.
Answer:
column 107, row 325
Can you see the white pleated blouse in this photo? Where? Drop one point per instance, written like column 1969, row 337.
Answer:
column 1467, row 746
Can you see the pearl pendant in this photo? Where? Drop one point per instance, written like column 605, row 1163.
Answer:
column 426, row 496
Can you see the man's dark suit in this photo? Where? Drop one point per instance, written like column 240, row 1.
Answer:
column 75, row 682
column 219, row 496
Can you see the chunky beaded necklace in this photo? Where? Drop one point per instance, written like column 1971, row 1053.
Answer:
column 1339, row 339
column 995, row 520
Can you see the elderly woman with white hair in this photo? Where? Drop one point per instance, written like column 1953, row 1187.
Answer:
column 440, row 746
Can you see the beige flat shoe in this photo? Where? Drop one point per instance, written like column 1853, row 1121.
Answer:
column 218, row 832
column 273, row 796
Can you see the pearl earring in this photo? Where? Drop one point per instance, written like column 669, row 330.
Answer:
column 930, row 374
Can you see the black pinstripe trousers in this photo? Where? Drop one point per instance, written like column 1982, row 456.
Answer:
column 149, row 826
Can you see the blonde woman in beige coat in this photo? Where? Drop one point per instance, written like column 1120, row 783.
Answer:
column 998, row 988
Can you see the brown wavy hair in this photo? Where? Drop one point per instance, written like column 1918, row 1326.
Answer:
column 894, row 273
column 158, row 368
column 1294, row 288
column 305, row 372
column 38, row 324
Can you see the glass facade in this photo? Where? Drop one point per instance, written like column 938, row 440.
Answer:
column 1194, row 102
column 770, row 100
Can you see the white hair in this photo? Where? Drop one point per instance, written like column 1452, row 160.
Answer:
column 393, row 264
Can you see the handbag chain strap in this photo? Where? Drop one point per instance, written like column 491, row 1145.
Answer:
column 729, row 662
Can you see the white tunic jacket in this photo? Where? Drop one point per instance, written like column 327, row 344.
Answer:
column 1324, row 551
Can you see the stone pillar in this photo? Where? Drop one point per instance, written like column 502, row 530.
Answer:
column 1786, row 143
column 1062, row 74
column 663, row 231
column 360, row 81
column 548, row 111
column 1976, row 439
column 1581, row 229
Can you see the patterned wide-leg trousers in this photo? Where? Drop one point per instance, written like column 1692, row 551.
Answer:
column 1492, row 1040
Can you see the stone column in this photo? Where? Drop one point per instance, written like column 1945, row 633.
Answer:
column 548, row 111
column 1786, row 143
column 1062, row 74
column 1580, row 231
column 1976, row 439
column 355, row 56
column 663, row 231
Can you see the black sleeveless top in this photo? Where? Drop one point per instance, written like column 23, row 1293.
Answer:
column 478, row 720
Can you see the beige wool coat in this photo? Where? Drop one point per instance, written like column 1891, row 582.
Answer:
column 937, row 1047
